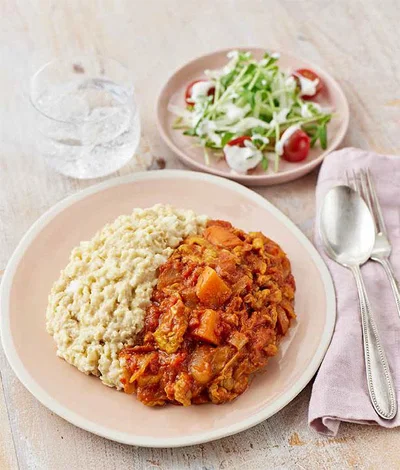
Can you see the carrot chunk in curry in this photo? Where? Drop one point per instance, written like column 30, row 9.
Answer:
column 222, row 303
column 211, row 290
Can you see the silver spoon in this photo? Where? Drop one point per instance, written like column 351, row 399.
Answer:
column 347, row 232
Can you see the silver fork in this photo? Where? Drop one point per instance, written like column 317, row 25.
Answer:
column 364, row 185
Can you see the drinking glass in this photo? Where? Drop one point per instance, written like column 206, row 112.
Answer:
column 86, row 115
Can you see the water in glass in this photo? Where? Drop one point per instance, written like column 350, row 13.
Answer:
column 88, row 124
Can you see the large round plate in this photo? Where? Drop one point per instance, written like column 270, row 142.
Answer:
column 174, row 92
column 83, row 400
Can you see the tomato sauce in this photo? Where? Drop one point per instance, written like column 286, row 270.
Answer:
column 222, row 303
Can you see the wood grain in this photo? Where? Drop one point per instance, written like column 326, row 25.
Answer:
column 356, row 41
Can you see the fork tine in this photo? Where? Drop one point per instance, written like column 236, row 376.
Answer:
column 376, row 207
column 367, row 196
column 356, row 182
column 349, row 180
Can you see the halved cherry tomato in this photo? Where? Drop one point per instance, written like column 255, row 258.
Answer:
column 310, row 75
column 239, row 141
column 297, row 147
column 188, row 92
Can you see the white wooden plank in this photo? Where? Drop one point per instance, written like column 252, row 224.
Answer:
column 8, row 456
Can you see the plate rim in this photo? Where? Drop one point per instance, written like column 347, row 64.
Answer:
column 267, row 179
column 127, row 438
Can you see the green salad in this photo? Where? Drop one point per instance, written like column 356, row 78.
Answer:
column 252, row 112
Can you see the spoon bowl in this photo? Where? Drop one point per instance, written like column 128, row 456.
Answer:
column 346, row 227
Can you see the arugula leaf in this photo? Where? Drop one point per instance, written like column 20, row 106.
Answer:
column 227, row 137
column 177, row 124
column 251, row 69
column 247, row 97
column 227, row 79
column 310, row 129
column 245, row 56
column 269, row 60
column 264, row 163
column 314, row 139
column 323, row 138
column 211, row 145
column 258, row 130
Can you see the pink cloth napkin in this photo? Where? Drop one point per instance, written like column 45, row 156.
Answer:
column 340, row 390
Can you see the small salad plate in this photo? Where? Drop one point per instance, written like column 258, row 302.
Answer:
column 257, row 117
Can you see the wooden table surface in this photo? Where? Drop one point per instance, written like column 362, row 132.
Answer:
column 356, row 41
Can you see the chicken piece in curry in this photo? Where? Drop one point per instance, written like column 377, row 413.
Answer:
column 221, row 305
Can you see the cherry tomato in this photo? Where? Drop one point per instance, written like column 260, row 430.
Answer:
column 239, row 141
column 188, row 92
column 297, row 147
column 307, row 73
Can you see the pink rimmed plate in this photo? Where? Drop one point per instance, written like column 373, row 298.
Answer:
column 83, row 400
column 173, row 93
